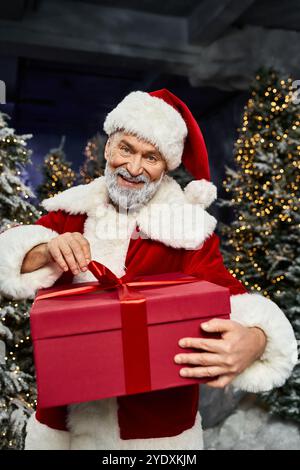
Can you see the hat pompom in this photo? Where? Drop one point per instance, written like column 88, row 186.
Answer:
column 201, row 192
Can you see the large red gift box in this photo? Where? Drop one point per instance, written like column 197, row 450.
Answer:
column 92, row 344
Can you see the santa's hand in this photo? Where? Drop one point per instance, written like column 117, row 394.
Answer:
column 225, row 358
column 70, row 251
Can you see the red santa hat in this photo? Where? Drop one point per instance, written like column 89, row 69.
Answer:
column 165, row 121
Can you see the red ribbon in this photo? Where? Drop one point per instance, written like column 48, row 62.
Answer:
column 133, row 320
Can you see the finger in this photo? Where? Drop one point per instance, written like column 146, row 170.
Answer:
column 221, row 382
column 203, row 359
column 84, row 245
column 217, row 325
column 57, row 256
column 207, row 344
column 199, row 372
column 67, row 253
column 78, row 253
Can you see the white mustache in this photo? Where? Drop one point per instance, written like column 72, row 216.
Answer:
column 129, row 177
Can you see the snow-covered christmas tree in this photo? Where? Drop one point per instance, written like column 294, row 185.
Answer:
column 261, row 246
column 57, row 173
column 17, row 384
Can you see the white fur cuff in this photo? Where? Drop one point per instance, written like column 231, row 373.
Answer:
column 14, row 245
column 275, row 365
column 42, row 437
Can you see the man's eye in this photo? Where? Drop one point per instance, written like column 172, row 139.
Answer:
column 152, row 158
column 126, row 149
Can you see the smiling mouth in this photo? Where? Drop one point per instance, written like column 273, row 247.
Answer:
column 129, row 182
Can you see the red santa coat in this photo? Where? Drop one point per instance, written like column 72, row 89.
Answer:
column 164, row 412
column 189, row 247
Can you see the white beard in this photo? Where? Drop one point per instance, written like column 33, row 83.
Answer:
column 127, row 198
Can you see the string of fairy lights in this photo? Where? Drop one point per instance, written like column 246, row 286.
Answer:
column 258, row 134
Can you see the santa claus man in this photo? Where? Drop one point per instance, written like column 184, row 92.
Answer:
column 134, row 220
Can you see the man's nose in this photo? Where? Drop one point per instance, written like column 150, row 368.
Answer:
column 135, row 167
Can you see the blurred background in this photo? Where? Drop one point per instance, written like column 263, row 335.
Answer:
column 65, row 64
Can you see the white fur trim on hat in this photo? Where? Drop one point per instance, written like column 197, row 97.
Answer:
column 14, row 245
column 201, row 192
column 152, row 119
column 275, row 365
